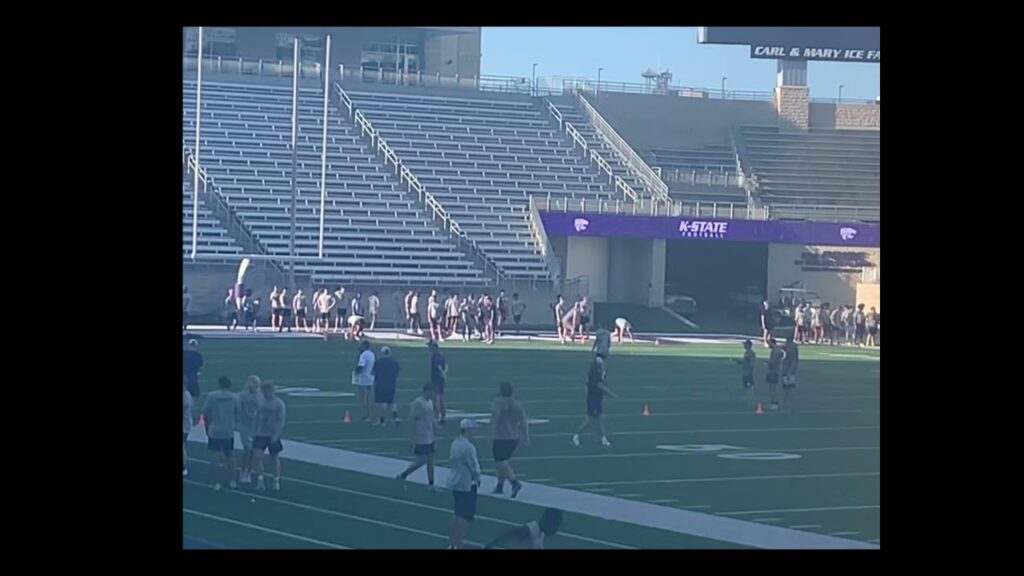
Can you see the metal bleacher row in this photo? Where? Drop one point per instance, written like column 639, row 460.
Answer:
column 706, row 174
column 482, row 159
column 211, row 236
column 800, row 174
column 373, row 231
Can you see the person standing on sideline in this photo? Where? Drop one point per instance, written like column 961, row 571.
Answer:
column 463, row 481
column 438, row 377
column 423, row 430
column 286, row 311
column 186, row 424
column 767, row 322
column 341, row 312
column 860, row 324
column 790, row 363
column 374, row 307
column 221, row 415
column 270, row 421
column 299, row 305
column 230, row 310
column 186, row 307
column 250, row 401
column 518, row 307
column 362, row 376
column 385, row 383
column 748, row 362
column 775, row 358
column 192, row 366
column 872, row 321
column 509, row 426
column 602, row 341
column 559, row 308
column 597, row 387
column 275, row 309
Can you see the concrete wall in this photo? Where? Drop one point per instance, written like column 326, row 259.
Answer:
column 589, row 257
column 870, row 295
column 846, row 116
column 793, row 104
column 647, row 121
column 786, row 266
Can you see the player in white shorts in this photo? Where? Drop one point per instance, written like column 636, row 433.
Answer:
column 374, row 305
column 355, row 326
column 362, row 376
column 623, row 328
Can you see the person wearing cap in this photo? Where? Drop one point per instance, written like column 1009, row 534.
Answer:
column 438, row 377
column 747, row 362
column 192, row 365
column 385, row 382
column 463, row 481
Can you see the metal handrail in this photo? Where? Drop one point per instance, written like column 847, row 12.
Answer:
column 649, row 207
column 540, row 237
column 654, row 183
column 620, row 185
column 406, row 176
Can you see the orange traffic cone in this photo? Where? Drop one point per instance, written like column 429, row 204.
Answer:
column 759, row 410
column 647, row 411
column 347, row 419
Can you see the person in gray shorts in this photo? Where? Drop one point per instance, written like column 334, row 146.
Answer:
column 221, row 415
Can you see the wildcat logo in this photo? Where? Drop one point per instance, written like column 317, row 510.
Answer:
column 581, row 224
column 847, row 233
column 703, row 229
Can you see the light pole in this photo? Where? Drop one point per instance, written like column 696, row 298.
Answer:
column 533, row 89
column 599, row 80
column 724, row 78
column 841, row 92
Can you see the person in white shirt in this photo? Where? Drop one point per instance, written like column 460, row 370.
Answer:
column 186, row 423
column 531, row 534
column 362, row 376
column 374, row 306
column 463, row 480
column 424, row 431
column 623, row 328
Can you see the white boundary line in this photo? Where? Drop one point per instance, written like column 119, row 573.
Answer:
column 623, row 415
column 720, row 479
column 630, row 511
column 788, row 510
column 802, row 526
column 265, row 529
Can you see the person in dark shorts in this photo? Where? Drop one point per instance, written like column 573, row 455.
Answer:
column 559, row 308
column 423, row 430
column 286, row 311
column 299, row 305
column 230, row 310
column 341, row 312
column 872, row 322
column 192, row 365
column 438, row 377
column 275, row 309
column 518, row 308
column 775, row 357
column 186, row 406
column 860, row 322
column 531, row 535
column 270, row 419
column 463, row 481
column 584, row 320
column 509, row 426
column 748, row 362
column 767, row 322
column 790, row 363
column 597, row 387
column 385, row 383
column 501, row 312
column 221, row 415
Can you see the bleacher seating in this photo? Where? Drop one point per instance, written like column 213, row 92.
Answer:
column 211, row 236
column 373, row 231
column 481, row 158
column 706, row 175
column 818, row 173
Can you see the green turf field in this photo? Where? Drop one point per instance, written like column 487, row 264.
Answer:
column 703, row 448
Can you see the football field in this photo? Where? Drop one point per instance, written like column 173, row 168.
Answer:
column 701, row 469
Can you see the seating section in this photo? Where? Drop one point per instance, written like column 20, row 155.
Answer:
column 211, row 236
column 373, row 232
column 482, row 159
column 820, row 173
column 706, row 175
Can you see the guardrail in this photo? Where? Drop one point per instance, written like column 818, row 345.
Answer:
column 540, row 238
column 602, row 165
column 659, row 190
column 405, row 176
column 705, row 178
column 647, row 207
column 819, row 212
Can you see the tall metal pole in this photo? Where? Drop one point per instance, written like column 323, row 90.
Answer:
column 295, row 158
column 323, row 151
column 195, row 181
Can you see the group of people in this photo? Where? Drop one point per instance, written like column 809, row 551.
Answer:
column 825, row 324
column 463, row 316
column 350, row 316
column 782, row 363
column 257, row 414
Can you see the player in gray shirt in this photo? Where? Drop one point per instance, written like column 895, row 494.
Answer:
column 602, row 341
column 186, row 423
column 221, row 415
column 250, row 400
column 270, row 419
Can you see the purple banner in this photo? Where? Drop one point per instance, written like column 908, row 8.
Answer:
column 673, row 227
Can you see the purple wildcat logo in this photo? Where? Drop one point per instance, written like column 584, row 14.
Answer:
column 703, row 229
column 581, row 224
column 847, row 233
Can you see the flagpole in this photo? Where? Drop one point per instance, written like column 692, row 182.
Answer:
column 295, row 156
column 195, row 181
column 323, row 152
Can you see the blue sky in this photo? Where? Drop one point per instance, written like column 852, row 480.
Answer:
column 626, row 52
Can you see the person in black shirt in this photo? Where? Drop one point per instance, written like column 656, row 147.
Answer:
column 597, row 387
column 767, row 323
column 385, row 383
column 192, row 364
column 438, row 377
